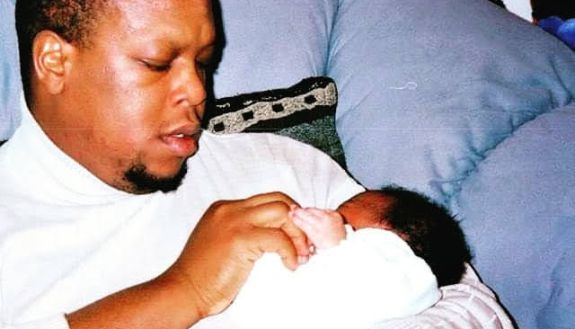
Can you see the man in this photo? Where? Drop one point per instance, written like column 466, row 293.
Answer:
column 98, row 196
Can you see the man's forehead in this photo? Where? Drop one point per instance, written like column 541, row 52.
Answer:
column 161, row 5
column 161, row 19
column 166, row 8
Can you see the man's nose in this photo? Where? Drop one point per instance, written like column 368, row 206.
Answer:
column 190, row 89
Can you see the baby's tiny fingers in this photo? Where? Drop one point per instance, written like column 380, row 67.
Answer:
column 302, row 223
column 314, row 222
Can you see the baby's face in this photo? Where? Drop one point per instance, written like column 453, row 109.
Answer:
column 364, row 209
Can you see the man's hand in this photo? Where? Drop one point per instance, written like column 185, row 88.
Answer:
column 213, row 266
column 228, row 240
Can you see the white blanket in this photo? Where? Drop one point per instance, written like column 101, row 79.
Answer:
column 371, row 276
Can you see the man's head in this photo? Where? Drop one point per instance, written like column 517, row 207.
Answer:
column 73, row 20
column 119, row 85
column 429, row 229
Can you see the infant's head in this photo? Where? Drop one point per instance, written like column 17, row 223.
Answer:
column 429, row 229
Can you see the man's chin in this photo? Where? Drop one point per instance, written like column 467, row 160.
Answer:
column 141, row 181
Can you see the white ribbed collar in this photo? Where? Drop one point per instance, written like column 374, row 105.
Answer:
column 49, row 170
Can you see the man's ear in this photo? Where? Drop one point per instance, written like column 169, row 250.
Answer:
column 52, row 59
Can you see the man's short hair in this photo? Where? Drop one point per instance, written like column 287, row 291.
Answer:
column 70, row 19
column 430, row 230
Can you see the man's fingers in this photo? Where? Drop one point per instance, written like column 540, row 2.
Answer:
column 269, row 210
column 275, row 214
column 274, row 240
column 298, row 238
column 229, row 238
column 268, row 214
column 263, row 198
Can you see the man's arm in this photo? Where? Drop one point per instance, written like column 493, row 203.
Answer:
column 164, row 302
column 213, row 266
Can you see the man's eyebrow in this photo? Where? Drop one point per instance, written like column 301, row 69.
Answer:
column 210, row 53
column 209, row 49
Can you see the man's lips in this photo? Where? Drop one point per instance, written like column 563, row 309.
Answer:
column 183, row 142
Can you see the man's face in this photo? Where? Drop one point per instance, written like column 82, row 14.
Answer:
column 132, row 105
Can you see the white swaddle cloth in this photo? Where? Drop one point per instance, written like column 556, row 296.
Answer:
column 371, row 276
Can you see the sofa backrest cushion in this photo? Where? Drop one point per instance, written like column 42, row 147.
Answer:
column 10, row 85
column 272, row 44
column 428, row 88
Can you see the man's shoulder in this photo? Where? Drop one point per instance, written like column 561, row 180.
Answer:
column 259, row 138
column 240, row 165
column 260, row 145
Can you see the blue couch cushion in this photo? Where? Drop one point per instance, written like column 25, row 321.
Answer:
column 10, row 84
column 272, row 44
column 519, row 213
column 427, row 88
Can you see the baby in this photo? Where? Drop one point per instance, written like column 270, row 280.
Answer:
column 380, row 255
column 428, row 228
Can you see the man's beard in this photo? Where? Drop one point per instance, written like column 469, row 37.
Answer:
column 142, row 182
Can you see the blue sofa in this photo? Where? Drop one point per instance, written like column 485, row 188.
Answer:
column 457, row 99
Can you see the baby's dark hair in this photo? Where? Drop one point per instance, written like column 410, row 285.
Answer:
column 430, row 230
column 73, row 20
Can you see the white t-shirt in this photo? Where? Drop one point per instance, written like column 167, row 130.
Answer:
column 67, row 239
column 371, row 276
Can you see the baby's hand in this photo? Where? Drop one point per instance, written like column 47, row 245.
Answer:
column 323, row 227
